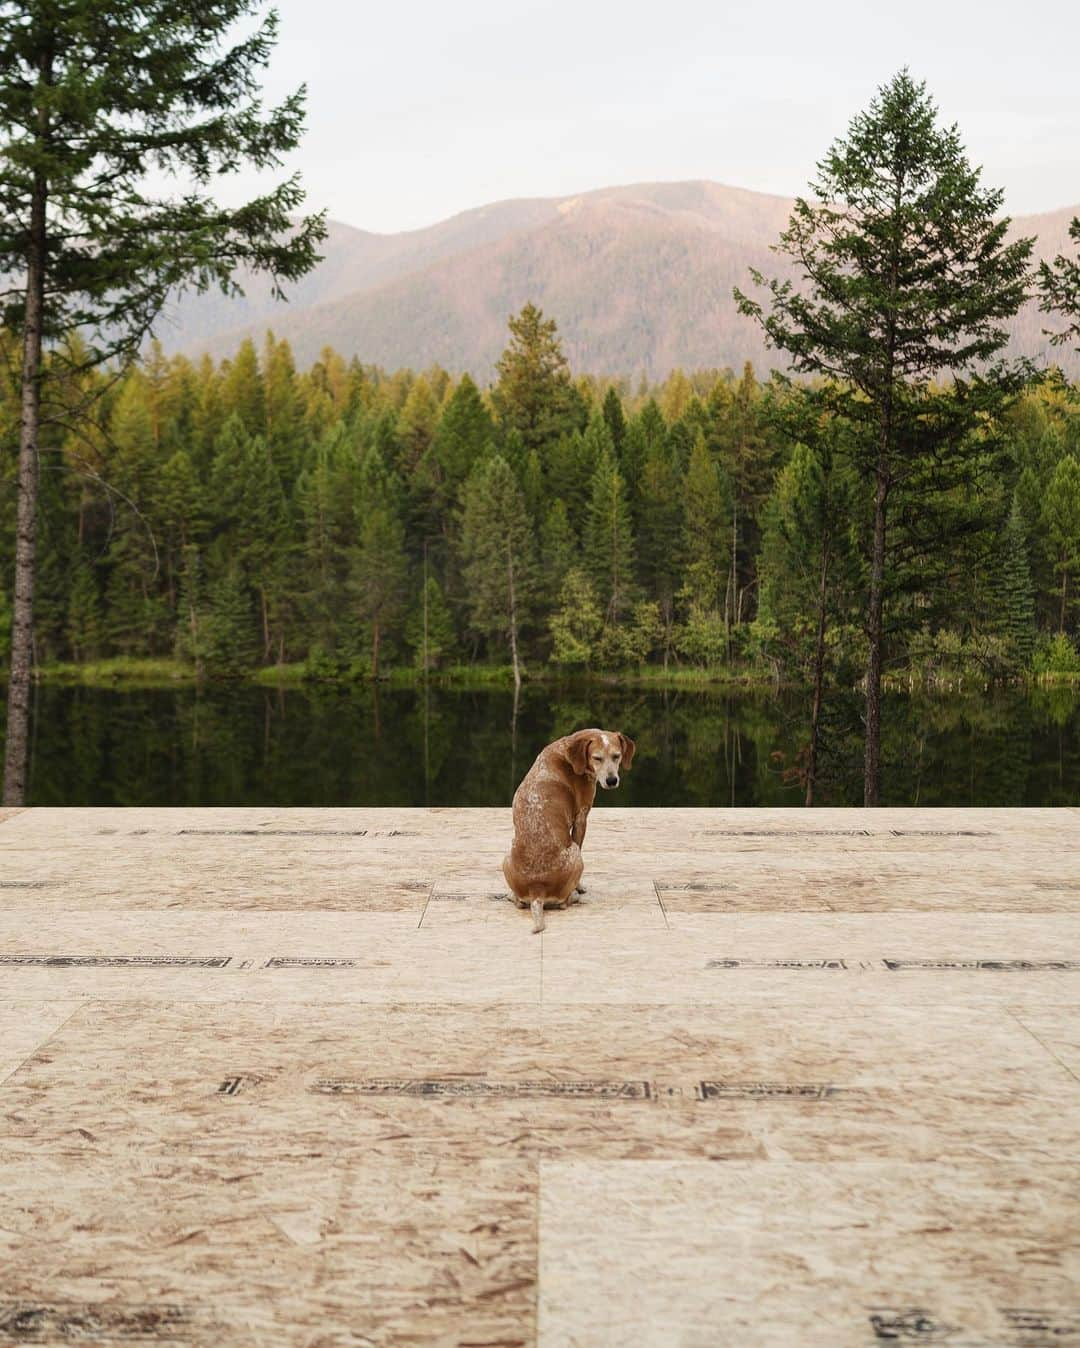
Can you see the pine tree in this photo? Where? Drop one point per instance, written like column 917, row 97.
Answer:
column 615, row 418
column 660, row 532
column 430, row 628
column 1059, row 284
column 498, row 551
column 231, row 632
column 575, row 626
column 534, row 394
column 1014, row 593
column 465, row 433
column 1061, row 515
column 283, row 409
column 92, row 94
column 243, row 394
column 380, row 565
column 907, row 278
column 85, row 628
column 416, row 426
column 561, row 548
column 191, row 610
column 609, row 540
column 706, row 545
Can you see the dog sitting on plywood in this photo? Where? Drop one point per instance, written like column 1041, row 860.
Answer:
column 551, row 809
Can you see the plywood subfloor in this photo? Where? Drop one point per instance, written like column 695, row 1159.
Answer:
column 304, row 1077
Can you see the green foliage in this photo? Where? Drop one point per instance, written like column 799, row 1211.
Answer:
column 905, row 280
column 534, row 394
column 85, row 626
column 1014, row 594
column 327, row 552
column 609, row 538
column 1059, row 284
column 1061, row 516
column 91, row 95
column 703, row 637
column 706, row 545
column 232, row 640
column 1056, row 654
column 429, row 630
column 576, row 624
column 498, row 552
column 379, row 564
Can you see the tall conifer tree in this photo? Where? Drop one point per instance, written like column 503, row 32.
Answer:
column 92, row 93
column 905, row 278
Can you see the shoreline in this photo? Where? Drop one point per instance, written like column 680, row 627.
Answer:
column 126, row 674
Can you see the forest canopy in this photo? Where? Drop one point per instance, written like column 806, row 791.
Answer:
column 242, row 514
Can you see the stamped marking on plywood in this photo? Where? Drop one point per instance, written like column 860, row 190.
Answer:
column 311, row 962
column 30, row 1322
column 844, row 964
column 119, row 961
column 787, row 833
column 847, row 833
column 694, row 886
column 899, row 965
column 297, row 833
column 234, row 1085
column 452, row 1087
column 993, row 966
column 503, row 896
column 1041, row 1328
column 765, row 1090
column 939, row 833
column 28, row 884
column 1022, row 1328
column 909, row 1324
column 273, row 832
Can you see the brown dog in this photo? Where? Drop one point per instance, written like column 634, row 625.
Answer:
column 551, row 806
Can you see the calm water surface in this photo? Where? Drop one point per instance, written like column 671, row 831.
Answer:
column 324, row 746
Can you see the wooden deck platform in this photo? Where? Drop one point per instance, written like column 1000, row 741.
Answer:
column 304, row 1077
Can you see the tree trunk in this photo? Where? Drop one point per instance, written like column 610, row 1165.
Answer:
column 1064, row 587
column 733, row 581
column 265, row 624
column 375, row 635
column 22, row 628
column 874, row 628
column 819, row 675
column 513, row 621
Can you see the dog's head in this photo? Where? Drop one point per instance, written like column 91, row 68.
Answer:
column 600, row 754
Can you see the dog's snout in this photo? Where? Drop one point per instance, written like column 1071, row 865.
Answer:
column 612, row 779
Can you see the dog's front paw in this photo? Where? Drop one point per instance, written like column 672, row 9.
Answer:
column 581, row 890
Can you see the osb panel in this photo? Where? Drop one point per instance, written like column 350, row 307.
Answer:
column 1057, row 1030
column 409, row 1081
column 824, row 1256
column 279, row 1076
column 365, row 958
column 26, row 1025
column 242, row 1249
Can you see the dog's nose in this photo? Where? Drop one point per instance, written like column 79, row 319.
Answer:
column 612, row 781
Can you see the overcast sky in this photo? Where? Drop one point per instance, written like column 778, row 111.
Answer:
column 422, row 108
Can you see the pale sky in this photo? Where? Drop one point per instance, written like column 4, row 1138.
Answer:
column 418, row 110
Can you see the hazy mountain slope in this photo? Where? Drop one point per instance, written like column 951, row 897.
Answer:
column 639, row 279
column 354, row 260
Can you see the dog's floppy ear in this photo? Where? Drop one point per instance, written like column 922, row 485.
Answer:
column 577, row 751
column 628, row 747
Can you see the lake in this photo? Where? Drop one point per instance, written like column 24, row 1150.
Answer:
column 316, row 745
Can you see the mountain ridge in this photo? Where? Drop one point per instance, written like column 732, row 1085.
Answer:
column 637, row 276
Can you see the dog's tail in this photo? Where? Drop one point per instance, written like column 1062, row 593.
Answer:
column 536, row 907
